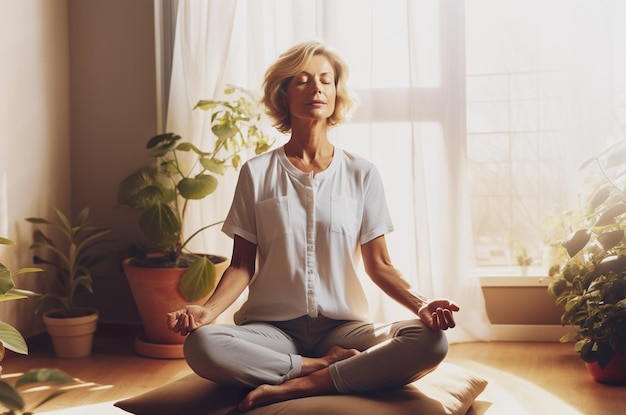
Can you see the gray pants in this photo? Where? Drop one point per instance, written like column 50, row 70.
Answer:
column 271, row 352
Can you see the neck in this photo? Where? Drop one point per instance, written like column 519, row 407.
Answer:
column 310, row 156
column 309, row 143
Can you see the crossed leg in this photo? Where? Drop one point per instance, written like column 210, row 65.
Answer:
column 394, row 355
column 314, row 380
column 261, row 354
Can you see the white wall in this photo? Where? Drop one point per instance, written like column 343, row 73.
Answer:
column 34, row 131
column 77, row 104
column 113, row 108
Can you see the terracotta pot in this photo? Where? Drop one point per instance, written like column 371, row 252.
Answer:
column 156, row 293
column 72, row 337
column 614, row 373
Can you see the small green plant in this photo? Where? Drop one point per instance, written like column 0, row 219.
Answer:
column 181, row 173
column 71, row 257
column 591, row 283
column 12, row 339
column 522, row 258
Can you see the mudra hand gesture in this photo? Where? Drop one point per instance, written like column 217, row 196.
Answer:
column 438, row 314
column 188, row 319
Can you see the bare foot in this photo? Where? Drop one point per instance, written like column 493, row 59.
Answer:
column 338, row 353
column 333, row 355
column 317, row 383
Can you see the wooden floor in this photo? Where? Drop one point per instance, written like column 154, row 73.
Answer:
column 524, row 378
column 536, row 379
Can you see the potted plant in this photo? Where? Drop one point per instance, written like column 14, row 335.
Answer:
column 71, row 260
column 591, row 283
column 12, row 339
column 166, row 276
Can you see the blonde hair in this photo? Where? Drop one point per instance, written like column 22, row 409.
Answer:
column 288, row 65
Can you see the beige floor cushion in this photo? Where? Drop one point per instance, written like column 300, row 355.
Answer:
column 450, row 390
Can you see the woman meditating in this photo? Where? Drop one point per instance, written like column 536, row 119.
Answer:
column 306, row 214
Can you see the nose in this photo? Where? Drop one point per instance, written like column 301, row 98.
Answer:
column 316, row 86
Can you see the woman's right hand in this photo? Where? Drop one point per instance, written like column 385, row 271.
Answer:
column 234, row 281
column 188, row 319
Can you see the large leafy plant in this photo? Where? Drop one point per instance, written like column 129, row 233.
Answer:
column 12, row 339
column 70, row 259
column 591, row 283
column 181, row 173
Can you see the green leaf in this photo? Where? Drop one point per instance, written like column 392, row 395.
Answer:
column 213, row 165
column 601, row 195
column 186, row 146
column 65, row 223
column 144, row 188
column 612, row 263
column 39, row 221
column 224, row 131
column 577, row 241
column 197, row 187
column 12, row 339
column 81, row 218
column 6, row 280
column 18, row 292
column 603, row 354
column 159, row 139
column 27, row 270
column 5, row 241
column 609, row 239
column 163, row 142
column 608, row 216
column 10, row 397
column 161, row 224
column 236, row 161
column 147, row 197
column 199, row 279
column 44, row 375
column 10, row 296
column 554, row 270
column 206, row 105
column 262, row 147
column 85, row 281
column 558, row 287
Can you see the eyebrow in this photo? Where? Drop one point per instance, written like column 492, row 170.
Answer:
column 322, row 74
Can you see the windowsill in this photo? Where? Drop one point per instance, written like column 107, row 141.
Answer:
column 511, row 271
column 513, row 276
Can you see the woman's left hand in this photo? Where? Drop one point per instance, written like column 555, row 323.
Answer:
column 438, row 314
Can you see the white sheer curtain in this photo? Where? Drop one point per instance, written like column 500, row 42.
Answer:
column 406, row 60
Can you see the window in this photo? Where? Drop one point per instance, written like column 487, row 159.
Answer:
column 541, row 77
column 522, row 91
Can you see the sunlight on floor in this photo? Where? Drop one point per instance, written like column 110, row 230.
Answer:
column 104, row 408
column 529, row 399
column 37, row 394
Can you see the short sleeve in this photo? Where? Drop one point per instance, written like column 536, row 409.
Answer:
column 241, row 218
column 376, row 217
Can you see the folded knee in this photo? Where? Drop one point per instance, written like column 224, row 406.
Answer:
column 204, row 350
column 428, row 347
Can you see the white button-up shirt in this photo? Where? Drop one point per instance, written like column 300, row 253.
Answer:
column 308, row 230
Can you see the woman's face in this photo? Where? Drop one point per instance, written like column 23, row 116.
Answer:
column 311, row 94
